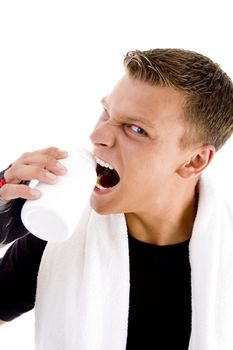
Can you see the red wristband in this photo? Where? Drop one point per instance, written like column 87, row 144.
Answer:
column 2, row 182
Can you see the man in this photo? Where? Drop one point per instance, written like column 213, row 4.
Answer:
column 159, row 130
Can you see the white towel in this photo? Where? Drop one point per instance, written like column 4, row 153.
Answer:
column 211, row 258
column 82, row 298
column 83, row 288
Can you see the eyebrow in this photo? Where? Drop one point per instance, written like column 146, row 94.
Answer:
column 132, row 119
column 141, row 120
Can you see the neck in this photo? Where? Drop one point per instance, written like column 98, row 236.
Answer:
column 170, row 223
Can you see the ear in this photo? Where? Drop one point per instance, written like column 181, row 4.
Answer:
column 198, row 161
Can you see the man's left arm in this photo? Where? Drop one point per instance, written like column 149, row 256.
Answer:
column 18, row 276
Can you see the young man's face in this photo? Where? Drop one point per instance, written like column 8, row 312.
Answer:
column 138, row 134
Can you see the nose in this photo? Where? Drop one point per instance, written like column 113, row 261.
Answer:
column 103, row 135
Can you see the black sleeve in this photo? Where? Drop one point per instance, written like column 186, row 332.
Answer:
column 11, row 226
column 18, row 276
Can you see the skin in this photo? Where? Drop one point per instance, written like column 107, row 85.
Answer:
column 42, row 165
column 139, row 133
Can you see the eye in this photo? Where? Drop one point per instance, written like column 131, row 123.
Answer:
column 136, row 129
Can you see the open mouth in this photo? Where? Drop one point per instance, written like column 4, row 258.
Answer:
column 107, row 176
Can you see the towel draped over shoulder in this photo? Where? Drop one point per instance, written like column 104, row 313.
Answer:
column 82, row 300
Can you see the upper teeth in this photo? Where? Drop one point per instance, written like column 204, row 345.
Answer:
column 103, row 163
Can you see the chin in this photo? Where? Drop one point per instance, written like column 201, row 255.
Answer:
column 103, row 209
column 100, row 209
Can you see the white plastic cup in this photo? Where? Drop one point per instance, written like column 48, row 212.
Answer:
column 55, row 215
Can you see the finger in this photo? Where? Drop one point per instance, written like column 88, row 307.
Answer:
column 57, row 168
column 53, row 152
column 12, row 191
column 16, row 174
column 45, row 161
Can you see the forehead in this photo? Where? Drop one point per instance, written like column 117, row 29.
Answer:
column 136, row 98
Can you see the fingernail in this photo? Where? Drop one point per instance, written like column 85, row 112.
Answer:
column 62, row 151
column 50, row 175
column 60, row 166
column 35, row 193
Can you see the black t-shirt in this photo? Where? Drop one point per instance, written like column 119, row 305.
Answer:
column 160, row 296
column 160, row 290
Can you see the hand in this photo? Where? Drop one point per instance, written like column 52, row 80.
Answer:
column 42, row 165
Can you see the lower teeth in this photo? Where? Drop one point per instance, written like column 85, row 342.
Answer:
column 98, row 185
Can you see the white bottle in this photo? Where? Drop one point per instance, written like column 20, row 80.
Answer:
column 55, row 215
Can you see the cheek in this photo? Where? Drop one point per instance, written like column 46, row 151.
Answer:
column 138, row 175
column 153, row 174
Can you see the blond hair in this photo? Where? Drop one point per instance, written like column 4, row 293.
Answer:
column 208, row 90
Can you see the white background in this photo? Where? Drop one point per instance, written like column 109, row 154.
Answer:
column 58, row 58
